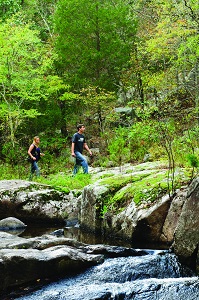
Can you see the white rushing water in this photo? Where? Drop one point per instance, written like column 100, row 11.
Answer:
column 158, row 275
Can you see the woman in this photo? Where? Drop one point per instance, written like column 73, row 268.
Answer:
column 34, row 153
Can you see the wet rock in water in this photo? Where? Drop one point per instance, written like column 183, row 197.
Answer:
column 114, row 251
column 58, row 232
column 11, row 223
column 148, row 289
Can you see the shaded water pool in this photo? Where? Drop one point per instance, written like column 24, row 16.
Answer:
column 74, row 232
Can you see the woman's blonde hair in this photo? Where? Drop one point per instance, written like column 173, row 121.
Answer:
column 34, row 139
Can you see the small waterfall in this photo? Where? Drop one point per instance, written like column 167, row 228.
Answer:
column 158, row 275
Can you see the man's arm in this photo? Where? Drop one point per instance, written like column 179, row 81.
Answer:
column 72, row 149
column 87, row 148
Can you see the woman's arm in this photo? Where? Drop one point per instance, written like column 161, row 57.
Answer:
column 29, row 151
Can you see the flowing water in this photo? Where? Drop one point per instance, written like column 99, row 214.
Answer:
column 155, row 276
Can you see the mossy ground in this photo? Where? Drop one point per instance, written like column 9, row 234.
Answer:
column 140, row 188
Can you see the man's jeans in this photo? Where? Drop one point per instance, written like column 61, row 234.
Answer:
column 80, row 161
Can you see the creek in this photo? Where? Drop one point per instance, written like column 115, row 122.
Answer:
column 158, row 275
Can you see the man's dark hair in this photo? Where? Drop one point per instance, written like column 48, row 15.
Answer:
column 79, row 126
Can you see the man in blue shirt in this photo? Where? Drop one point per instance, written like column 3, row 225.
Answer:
column 78, row 144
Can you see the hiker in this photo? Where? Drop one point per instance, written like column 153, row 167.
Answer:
column 35, row 154
column 78, row 144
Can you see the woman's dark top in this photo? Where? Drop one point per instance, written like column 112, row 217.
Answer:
column 36, row 153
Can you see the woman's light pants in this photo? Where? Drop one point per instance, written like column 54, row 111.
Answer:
column 34, row 169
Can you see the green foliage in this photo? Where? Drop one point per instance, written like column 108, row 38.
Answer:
column 100, row 47
column 193, row 160
column 142, row 136
column 132, row 143
column 60, row 180
column 117, row 182
column 118, row 146
column 94, row 40
column 119, row 191
column 143, row 190
column 185, row 143
column 10, row 154
column 13, row 171
column 8, row 8
column 101, row 103
column 21, row 76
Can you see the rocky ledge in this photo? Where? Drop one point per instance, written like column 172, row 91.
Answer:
column 34, row 202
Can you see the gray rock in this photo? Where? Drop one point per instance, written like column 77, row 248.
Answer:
column 33, row 264
column 37, row 202
column 11, row 223
column 90, row 207
column 25, row 260
column 145, row 289
column 49, row 257
column 165, row 220
column 186, row 237
column 58, row 232
column 139, row 223
column 172, row 217
column 142, row 224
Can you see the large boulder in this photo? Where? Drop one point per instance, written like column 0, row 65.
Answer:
column 172, row 217
column 136, row 222
column 19, row 266
column 92, row 199
column 186, row 237
column 141, row 224
column 170, row 220
column 30, row 201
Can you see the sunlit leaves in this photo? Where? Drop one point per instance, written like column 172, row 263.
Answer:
column 9, row 7
column 20, row 57
column 21, row 74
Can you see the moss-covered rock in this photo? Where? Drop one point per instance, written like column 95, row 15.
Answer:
column 30, row 201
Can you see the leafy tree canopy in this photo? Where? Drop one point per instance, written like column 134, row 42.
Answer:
column 95, row 39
